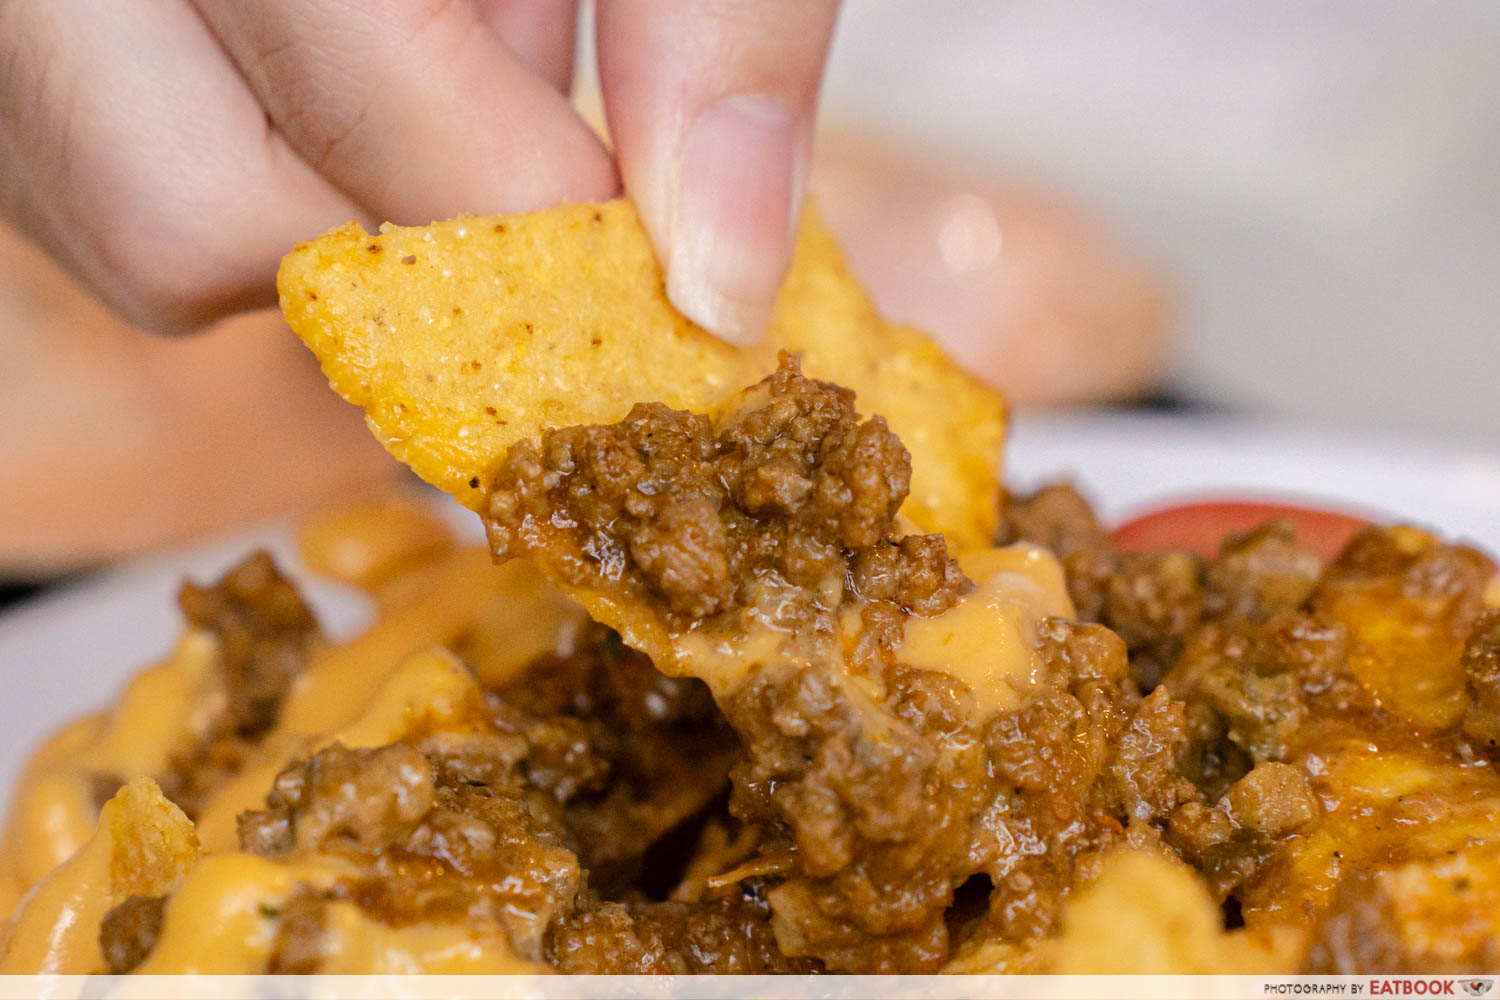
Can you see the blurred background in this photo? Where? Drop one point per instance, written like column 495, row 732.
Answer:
column 1288, row 211
column 1318, row 183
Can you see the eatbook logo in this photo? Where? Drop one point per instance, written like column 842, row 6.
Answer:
column 1477, row 987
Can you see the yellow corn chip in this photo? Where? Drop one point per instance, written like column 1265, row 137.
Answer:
column 461, row 338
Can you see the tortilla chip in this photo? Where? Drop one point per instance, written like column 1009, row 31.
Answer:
column 142, row 846
column 1148, row 913
column 953, row 425
column 462, row 338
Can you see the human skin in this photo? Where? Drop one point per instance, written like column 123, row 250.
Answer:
column 168, row 152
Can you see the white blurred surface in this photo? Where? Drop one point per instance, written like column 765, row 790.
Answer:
column 1321, row 179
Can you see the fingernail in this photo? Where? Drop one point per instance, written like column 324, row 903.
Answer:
column 740, row 192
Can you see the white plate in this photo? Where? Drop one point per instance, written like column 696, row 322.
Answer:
column 69, row 651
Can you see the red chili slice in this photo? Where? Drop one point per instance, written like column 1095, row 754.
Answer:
column 1202, row 526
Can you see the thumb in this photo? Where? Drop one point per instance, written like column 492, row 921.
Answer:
column 711, row 108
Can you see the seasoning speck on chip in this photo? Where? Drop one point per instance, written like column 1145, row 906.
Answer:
column 559, row 317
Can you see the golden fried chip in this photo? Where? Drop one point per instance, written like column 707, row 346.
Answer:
column 952, row 424
column 462, row 338
column 1150, row 914
column 142, row 847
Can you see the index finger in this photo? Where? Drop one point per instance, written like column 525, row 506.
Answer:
column 711, row 108
column 418, row 110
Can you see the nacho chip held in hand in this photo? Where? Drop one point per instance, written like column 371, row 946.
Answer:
column 462, row 338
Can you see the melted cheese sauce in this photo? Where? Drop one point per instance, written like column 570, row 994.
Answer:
column 64, row 863
column 355, row 944
column 142, row 846
column 510, row 614
column 223, row 920
column 769, row 632
column 53, row 812
column 988, row 640
column 390, row 683
column 426, row 692
column 221, row 917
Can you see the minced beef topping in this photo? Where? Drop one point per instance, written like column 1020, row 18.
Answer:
column 128, row 932
column 1481, row 663
column 874, row 801
column 263, row 629
column 728, row 935
column 671, row 508
column 265, row 634
column 594, row 756
column 1286, row 671
column 861, row 816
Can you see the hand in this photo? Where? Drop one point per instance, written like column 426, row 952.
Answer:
column 170, row 151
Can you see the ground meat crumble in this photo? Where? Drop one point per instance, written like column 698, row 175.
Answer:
column 872, row 808
column 614, row 819
column 1274, row 662
column 264, row 634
